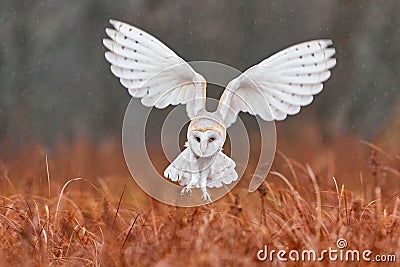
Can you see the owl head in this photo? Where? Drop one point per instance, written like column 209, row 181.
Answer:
column 206, row 136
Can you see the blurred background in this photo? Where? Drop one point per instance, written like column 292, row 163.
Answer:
column 56, row 86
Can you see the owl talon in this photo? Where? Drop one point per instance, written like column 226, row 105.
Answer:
column 186, row 190
column 206, row 197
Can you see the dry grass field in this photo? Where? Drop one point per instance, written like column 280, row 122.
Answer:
column 79, row 206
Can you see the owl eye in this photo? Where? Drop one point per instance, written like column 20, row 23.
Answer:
column 198, row 139
column 211, row 139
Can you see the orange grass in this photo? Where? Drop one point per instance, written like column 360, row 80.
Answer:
column 79, row 206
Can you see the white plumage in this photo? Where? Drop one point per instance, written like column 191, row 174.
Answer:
column 222, row 170
column 276, row 87
column 286, row 81
column 137, row 57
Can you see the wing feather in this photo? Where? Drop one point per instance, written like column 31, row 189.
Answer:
column 179, row 170
column 151, row 71
column 222, row 171
column 281, row 84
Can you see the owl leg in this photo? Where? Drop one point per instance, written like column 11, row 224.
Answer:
column 205, row 197
column 188, row 189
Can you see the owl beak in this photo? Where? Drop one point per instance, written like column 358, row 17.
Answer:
column 203, row 146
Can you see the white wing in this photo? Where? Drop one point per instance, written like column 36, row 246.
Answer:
column 222, row 171
column 180, row 170
column 281, row 84
column 152, row 71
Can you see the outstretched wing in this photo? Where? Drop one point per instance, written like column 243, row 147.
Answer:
column 151, row 71
column 281, row 84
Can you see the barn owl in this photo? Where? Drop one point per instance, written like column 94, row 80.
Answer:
column 274, row 88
